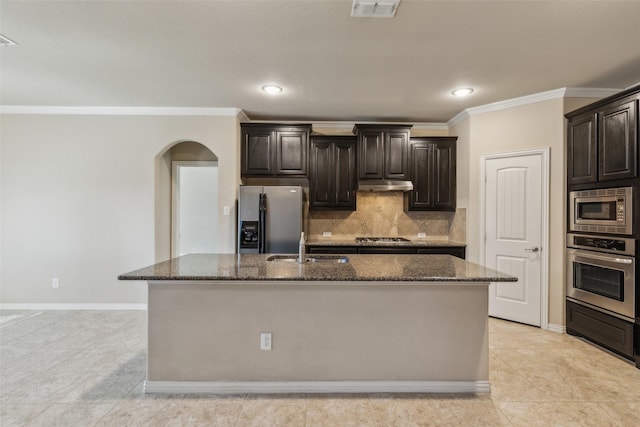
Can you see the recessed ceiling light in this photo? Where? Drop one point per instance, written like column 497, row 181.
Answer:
column 271, row 89
column 463, row 91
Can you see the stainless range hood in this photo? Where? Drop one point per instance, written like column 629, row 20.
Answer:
column 379, row 185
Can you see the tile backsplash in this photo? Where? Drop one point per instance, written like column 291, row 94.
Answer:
column 383, row 214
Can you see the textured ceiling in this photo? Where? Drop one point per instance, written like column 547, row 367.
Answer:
column 332, row 66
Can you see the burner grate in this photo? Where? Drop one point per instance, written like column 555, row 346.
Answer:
column 381, row 239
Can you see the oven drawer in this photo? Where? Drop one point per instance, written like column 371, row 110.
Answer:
column 610, row 332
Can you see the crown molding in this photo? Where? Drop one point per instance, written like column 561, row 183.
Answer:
column 348, row 125
column 458, row 118
column 565, row 92
column 123, row 111
column 589, row 92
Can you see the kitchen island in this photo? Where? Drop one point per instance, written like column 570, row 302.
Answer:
column 377, row 323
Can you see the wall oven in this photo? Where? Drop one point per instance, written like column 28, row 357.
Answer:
column 601, row 273
column 606, row 210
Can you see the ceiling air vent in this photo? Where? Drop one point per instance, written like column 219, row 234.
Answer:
column 374, row 9
column 6, row 41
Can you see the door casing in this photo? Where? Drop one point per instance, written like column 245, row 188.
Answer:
column 544, row 256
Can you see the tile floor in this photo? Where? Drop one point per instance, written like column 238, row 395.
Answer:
column 85, row 368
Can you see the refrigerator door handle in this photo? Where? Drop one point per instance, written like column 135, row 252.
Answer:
column 262, row 238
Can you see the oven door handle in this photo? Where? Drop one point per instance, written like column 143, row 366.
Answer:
column 604, row 258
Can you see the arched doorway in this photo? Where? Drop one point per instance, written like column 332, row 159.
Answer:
column 186, row 206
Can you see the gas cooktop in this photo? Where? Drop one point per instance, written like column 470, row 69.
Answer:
column 381, row 239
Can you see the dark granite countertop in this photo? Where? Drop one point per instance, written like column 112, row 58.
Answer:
column 381, row 268
column 419, row 243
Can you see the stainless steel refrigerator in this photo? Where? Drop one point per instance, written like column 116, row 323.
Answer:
column 269, row 219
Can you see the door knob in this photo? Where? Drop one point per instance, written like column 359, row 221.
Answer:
column 533, row 249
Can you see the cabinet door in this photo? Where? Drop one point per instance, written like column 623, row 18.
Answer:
column 385, row 250
column 396, row 155
column 370, row 163
column 291, row 152
column 444, row 175
column 257, row 149
column 457, row 251
column 421, row 197
column 320, row 174
column 581, row 150
column 617, row 139
column 344, row 177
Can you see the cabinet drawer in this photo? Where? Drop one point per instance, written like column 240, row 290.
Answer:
column 600, row 328
column 455, row 251
column 332, row 250
column 386, row 250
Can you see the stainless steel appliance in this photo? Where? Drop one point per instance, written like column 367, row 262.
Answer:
column 601, row 273
column 606, row 210
column 269, row 219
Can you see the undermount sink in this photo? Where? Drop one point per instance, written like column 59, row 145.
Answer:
column 338, row 259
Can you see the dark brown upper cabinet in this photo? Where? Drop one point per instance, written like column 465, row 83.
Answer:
column 433, row 173
column 582, row 166
column 383, row 151
column 272, row 150
column 602, row 140
column 332, row 173
column 617, row 139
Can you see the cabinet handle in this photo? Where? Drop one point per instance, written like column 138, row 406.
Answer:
column 533, row 249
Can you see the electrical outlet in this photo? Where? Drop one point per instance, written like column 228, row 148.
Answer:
column 422, row 235
column 265, row 341
column 225, row 211
column 326, row 234
column 55, row 283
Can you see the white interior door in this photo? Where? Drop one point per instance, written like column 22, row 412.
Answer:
column 515, row 223
column 194, row 207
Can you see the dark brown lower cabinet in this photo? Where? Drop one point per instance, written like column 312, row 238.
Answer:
column 332, row 250
column 638, row 344
column 385, row 250
column 457, row 251
column 607, row 331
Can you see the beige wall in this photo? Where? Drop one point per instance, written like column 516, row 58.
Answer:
column 79, row 195
column 531, row 126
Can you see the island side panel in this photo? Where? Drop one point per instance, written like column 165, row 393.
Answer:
column 210, row 331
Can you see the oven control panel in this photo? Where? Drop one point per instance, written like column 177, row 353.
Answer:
column 617, row 245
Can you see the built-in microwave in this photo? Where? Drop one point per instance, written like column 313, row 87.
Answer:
column 605, row 210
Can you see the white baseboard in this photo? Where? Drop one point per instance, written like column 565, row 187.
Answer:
column 88, row 306
column 280, row 387
column 557, row 328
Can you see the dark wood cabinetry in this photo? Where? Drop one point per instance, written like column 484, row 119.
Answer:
column 607, row 331
column 383, row 151
column 582, row 166
column 457, row 251
column 274, row 150
column 617, row 140
column 332, row 173
column 433, row 173
column 602, row 140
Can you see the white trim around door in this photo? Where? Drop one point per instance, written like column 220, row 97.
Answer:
column 544, row 256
